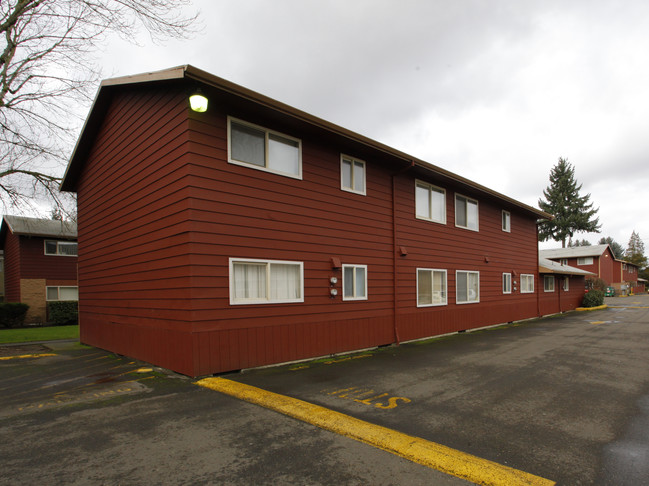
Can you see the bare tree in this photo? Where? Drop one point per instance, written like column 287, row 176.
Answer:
column 47, row 69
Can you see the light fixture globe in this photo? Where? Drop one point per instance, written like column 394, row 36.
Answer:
column 198, row 102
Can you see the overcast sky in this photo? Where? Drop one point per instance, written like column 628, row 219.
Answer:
column 495, row 91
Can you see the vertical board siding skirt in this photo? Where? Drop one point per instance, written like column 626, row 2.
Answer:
column 395, row 262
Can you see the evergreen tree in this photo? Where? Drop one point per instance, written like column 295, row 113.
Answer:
column 635, row 251
column 580, row 243
column 572, row 213
column 616, row 248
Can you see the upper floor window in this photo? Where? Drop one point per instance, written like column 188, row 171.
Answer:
column 265, row 281
column 548, row 283
column 585, row 261
column 65, row 248
column 507, row 221
column 264, row 149
column 431, row 287
column 467, row 287
column 430, row 202
column 466, row 212
column 564, row 261
column 624, row 266
column 352, row 174
column 354, row 282
column 507, row 283
column 527, row 283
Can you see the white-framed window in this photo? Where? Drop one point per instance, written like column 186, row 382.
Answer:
column 507, row 221
column 527, row 283
column 624, row 266
column 61, row 248
column 585, row 261
column 61, row 293
column 566, row 283
column 467, row 287
column 352, row 174
column 564, row 261
column 265, row 281
column 354, row 282
column 431, row 287
column 507, row 283
column 430, row 202
column 548, row 283
column 260, row 148
column 466, row 212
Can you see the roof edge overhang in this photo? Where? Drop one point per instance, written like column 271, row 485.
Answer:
column 198, row 75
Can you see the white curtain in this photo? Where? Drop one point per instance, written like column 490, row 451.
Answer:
column 285, row 281
column 283, row 155
column 249, row 280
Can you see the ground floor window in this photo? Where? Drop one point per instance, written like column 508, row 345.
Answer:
column 566, row 284
column 354, row 282
column 62, row 293
column 467, row 287
column 431, row 287
column 507, row 283
column 548, row 283
column 266, row 281
column 527, row 283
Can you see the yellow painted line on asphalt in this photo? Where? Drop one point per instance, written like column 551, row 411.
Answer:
column 41, row 355
column 420, row 451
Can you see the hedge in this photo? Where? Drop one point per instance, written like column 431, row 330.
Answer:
column 63, row 313
column 593, row 298
column 12, row 314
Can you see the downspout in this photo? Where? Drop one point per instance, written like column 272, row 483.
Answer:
column 394, row 249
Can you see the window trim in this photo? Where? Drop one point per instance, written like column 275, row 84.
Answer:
column 507, row 228
column 267, row 300
column 477, row 301
column 354, row 266
column 433, row 270
column 585, row 261
column 267, row 133
column 58, row 242
column 531, row 275
column 507, row 277
column 353, row 160
column 546, row 280
column 477, row 205
column 58, row 293
column 430, row 187
column 566, row 283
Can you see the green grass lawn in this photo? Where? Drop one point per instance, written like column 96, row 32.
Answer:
column 25, row 335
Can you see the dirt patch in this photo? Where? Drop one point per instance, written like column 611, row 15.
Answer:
column 20, row 349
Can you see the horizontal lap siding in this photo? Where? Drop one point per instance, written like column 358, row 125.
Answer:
column 36, row 264
column 241, row 212
column 489, row 251
column 12, row 263
column 561, row 300
column 135, row 284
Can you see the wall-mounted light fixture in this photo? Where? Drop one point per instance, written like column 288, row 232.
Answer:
column 198, row 102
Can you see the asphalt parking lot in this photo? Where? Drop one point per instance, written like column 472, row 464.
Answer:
column 564, row 398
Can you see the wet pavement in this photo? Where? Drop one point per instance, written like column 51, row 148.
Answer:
column 565, row 398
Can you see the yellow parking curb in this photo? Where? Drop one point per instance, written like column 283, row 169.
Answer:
column 420, row 451
column 586, row 309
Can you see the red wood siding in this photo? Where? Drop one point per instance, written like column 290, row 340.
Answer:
column 36, row 264
column 161, row 212
column 561, row 300
column 12, row 263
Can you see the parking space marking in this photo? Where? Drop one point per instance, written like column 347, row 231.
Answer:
column 420, row 451
column 368, row 396
column 40, row 355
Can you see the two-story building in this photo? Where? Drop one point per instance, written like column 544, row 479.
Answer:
column 600, row 261
column 40, row 263
column 244, row 232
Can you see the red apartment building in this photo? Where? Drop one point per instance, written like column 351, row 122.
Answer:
column 40, row 263
column 249, row 232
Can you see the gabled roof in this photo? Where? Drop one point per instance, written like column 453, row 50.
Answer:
column 20, row 225
column 574, row 252
column 549, row 266
column 194, row 78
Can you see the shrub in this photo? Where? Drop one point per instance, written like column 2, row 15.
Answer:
column 12, row 314
column 593, row 298
column 63, row 313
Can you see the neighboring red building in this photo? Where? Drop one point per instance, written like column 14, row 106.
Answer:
column 561, row 287
column 40, row 263
column 599, row 260
column 254, row 233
